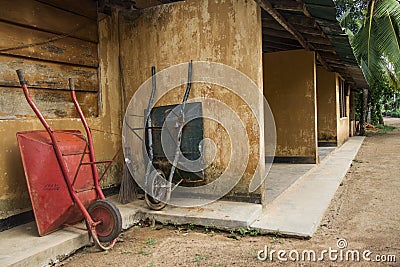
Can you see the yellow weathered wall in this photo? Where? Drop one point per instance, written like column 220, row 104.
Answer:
column 343, row 131
column 290, row 89
column 14, row 196
column 227, row 32
column 326, row 105
column 331, row 128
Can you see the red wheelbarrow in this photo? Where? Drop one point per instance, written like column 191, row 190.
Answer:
column 63, row 180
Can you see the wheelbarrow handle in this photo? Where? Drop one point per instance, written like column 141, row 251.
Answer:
column 21, row 77
column 71, row 84
column 95, row 173
column 28, row 97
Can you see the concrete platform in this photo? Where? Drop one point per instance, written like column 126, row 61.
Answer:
column 282, row 176
column 221, row 214
column 299, row 210
column 324, row 152
column 22, row 246
column 296, row 209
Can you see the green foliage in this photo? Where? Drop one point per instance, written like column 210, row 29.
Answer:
column 379, row 92
column 245, row 231
column 151, row 241
column 125, row 251
column 242, row 231
column 351, row 13
column 376, row 43
column 210, row 228
column 277, row 233
column 386, row 128
column 395, row 113
column 383, row 129
column 191, row 226
column 144, row 252
column 254, row 232
column 373, row 27
column 199, row 257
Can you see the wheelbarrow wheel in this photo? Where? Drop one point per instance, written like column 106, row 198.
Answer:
column 158, row 189
column 108, row 215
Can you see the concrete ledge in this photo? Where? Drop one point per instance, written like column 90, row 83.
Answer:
column 298, row 210
column 221, row 214
column 22, row 246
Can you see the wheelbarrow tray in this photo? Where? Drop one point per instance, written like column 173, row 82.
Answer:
column 51, row 200
column 192, row 136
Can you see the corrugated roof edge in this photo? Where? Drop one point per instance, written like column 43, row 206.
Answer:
column 324, row 11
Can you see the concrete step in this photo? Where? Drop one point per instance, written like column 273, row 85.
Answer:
column 222, row 214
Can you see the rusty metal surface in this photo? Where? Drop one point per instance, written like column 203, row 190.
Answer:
column 51, row 201
column 192, row 135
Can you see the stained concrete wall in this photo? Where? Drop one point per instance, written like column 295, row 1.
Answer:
column 227, row 32
column 327, row 106
column 290, row 89
column 14, row 197
column 331, row 127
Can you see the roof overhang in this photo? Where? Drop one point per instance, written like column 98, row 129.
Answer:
column 310, row 25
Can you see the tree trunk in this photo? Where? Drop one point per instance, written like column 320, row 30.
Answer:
column 364, row 109
column 380, row 117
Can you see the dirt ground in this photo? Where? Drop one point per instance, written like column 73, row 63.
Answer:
column 365, row 212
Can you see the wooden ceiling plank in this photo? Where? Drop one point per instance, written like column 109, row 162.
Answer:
column 267, row 6
column 288, row 5
column 275, row 39
column 277, row 33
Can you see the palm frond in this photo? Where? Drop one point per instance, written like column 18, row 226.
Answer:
column 393, row 79
column 377, row 42
column 345, row 19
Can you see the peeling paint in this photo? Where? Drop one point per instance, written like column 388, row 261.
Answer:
column 228, row 32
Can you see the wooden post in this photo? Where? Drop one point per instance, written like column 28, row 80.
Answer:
column 364, row 108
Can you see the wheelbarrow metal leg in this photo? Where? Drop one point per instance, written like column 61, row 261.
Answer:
column 96, row 177
column 181, row 121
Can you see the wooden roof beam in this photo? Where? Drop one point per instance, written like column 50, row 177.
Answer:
column 283, row 41
column 267, row 47
column 288, row 5
column 302, row 29
column 267, row 6
column 277, row 33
